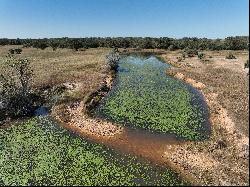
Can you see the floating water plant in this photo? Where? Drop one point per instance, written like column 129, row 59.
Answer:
column 145, row 97
column 39, row 152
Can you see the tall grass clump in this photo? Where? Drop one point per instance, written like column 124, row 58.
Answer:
column 15, row 51
column 191, row 52
column 247, row 64
column 201, row 55
column 230, row 56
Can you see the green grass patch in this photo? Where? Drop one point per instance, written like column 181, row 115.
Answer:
column 145, row 97
column 39, row 152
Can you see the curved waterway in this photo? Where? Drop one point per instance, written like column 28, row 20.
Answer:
column 157, row 112
column 144, row 97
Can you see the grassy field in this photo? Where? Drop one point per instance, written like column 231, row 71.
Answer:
column 64, row 66
column 38, row 152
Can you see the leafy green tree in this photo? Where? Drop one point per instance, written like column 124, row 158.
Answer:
column 75, row 44
column 229, row 43
column 54, row 44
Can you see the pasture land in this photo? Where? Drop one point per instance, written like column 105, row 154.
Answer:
column 221, row 160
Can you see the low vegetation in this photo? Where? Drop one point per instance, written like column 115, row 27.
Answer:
column 190, row 52
column 38, row 152
column 247, row 64
column 112, row 59
column 201, row 55
column 15, row 51
column 229, row 43
column 230, row 56
column 16, row 96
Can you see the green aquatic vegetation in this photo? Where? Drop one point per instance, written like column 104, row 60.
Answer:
column 39, row 152
column 145, row 97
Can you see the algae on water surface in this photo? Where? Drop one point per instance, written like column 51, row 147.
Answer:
column 145, row 97
column 39, row 152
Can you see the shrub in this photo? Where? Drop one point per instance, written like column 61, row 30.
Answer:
column 82, row 49
column 205, row 61
column 18, row 51
column 183, row 55
column 54, row 45
column 113, row 58
column 15, row 51
column 12, row 51
column 230, row 56
column 15, row 92
column 40, row 45
column 171, row 48
column 247, row 64
column 138, row 48
column 191, row 52
column 179, row 59
column 201, row 55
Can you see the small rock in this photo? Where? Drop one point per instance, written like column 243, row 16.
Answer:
column 179, row 76
column 200, row 85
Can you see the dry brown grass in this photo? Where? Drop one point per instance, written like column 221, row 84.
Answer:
column 223, row 159
column 64, row 66
column 225, row 77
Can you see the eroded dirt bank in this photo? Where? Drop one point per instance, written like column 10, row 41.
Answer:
column 222, row 160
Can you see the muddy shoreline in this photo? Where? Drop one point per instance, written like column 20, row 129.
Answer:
column 224, row 158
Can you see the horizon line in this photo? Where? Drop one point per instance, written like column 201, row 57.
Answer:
column 126, row 37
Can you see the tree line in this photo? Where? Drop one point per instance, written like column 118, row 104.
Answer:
column 229, row 43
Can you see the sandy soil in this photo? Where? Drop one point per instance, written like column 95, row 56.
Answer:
column 224, row 158
column 74, row 114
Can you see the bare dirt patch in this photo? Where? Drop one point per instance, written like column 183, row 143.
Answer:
column 75, row 114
